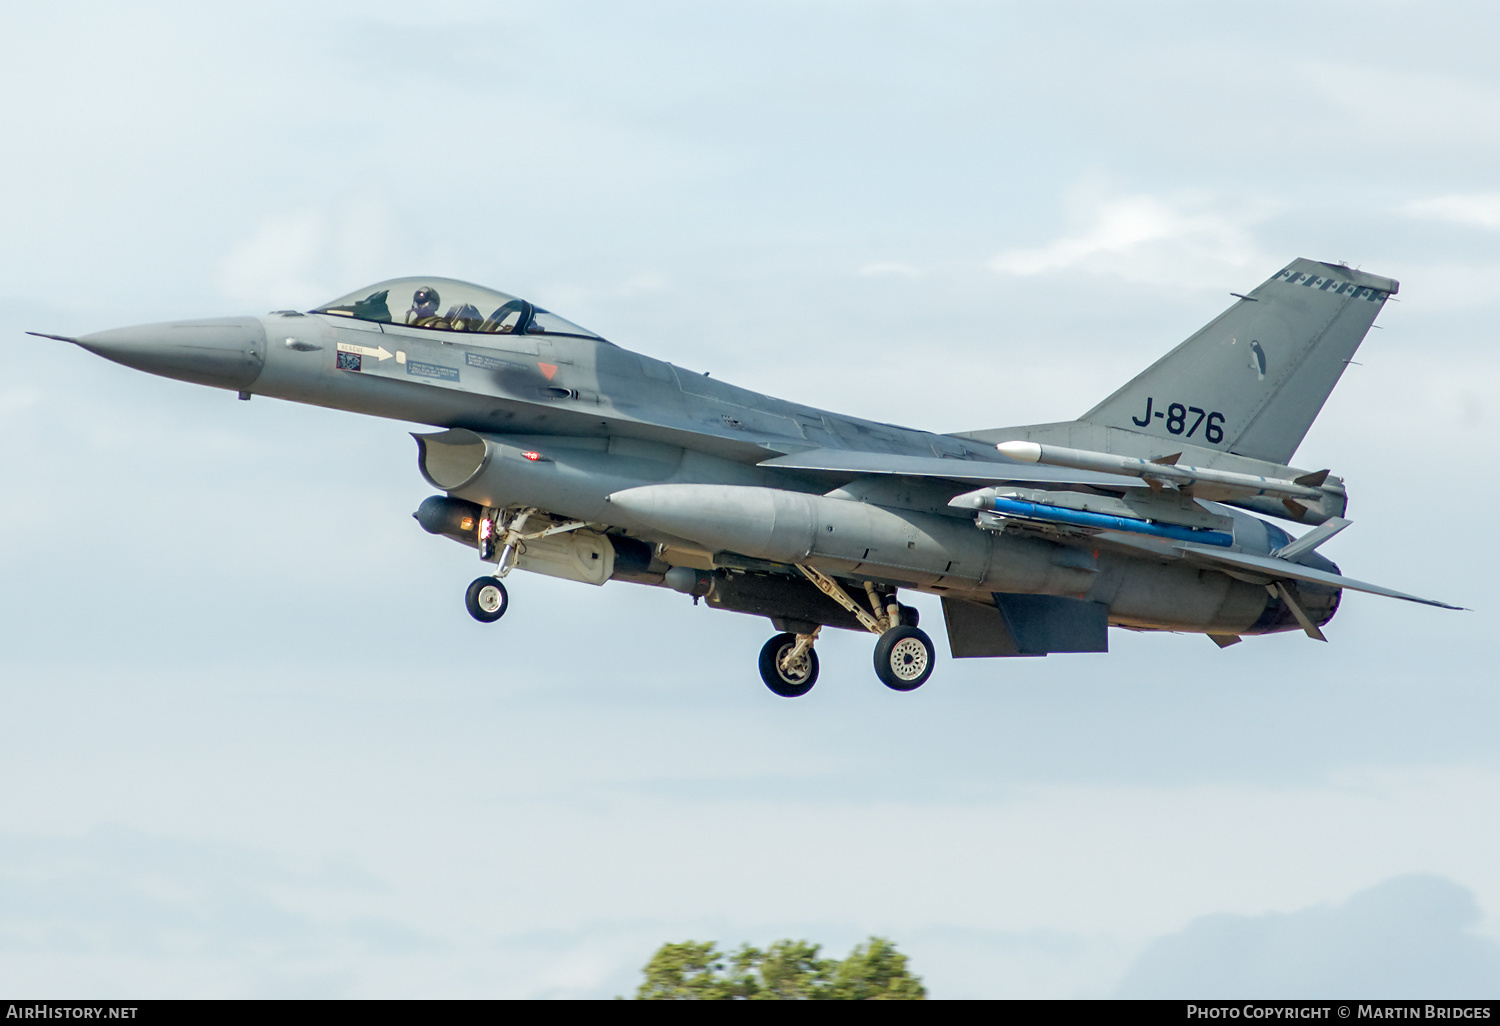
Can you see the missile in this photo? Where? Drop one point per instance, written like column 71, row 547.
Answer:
column 988, row 502
column 1225, row 482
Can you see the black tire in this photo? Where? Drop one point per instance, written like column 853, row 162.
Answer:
column 904, row 658
column 780, row 683
column 487, row 599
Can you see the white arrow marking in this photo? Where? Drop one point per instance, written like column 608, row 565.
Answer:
column 380, row 354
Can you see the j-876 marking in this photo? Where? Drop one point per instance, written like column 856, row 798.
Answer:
column 1176, row 418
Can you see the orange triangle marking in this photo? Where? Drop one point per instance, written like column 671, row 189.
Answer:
column 548, row 369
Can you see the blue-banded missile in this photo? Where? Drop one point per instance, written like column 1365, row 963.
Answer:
column 1225, row 482
column 1010, row 507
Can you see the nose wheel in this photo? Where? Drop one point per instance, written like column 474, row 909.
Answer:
column 486, row 599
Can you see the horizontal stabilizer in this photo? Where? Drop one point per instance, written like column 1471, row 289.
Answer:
column 851, row 462
column 1281, row 569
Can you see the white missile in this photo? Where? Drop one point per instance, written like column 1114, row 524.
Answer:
column 1218, row 482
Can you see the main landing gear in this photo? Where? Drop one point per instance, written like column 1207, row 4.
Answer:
column 904, row 656
column 788, row 664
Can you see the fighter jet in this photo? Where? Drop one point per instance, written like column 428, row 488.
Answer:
column 562, row 453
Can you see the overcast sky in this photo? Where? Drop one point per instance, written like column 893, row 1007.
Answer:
column 252, row 744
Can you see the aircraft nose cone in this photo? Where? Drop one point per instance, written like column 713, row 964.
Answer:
column 226, row 352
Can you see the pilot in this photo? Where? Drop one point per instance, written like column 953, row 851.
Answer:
column 464, row 317
column 424, row 307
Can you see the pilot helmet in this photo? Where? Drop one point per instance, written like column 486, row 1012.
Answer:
column 425, row 300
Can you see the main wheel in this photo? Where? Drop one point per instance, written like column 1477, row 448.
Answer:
column 486, row 599
column 788, row 685
column 903, row 658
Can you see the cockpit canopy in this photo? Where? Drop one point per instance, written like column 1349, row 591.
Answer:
column 444, row 304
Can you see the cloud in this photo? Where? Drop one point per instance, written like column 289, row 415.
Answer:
column 1481, row 210
column 1406, row 937
column 1145, row 239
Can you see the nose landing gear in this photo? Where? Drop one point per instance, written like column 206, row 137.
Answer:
column 503, row 542
column 487, row 599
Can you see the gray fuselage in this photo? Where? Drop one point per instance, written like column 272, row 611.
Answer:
column 606, row 420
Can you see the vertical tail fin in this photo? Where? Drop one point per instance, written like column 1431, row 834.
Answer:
column 1253, row 380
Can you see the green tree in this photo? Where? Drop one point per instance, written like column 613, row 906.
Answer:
column 874, row 971
column 686, row 972
column 786, row 971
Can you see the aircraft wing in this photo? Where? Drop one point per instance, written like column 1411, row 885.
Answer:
column 995, row 472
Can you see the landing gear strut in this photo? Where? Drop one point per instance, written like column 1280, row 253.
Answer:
column 502, row 543
column 487, row 599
